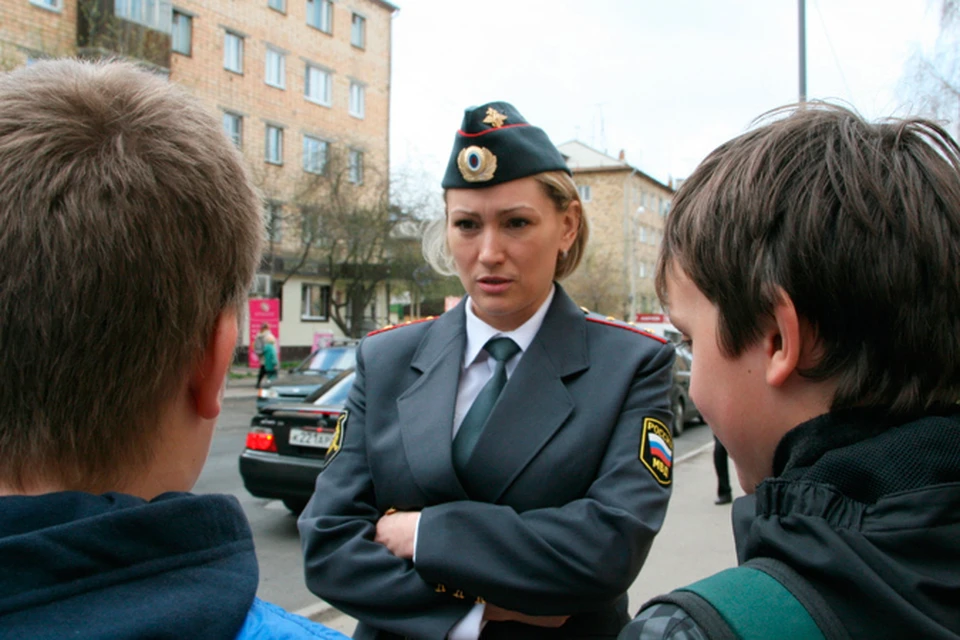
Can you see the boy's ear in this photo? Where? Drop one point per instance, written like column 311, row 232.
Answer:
column 207, row 377
column 784, row 342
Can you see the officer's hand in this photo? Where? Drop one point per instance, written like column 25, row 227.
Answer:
column 396, row 530
column 498, row 614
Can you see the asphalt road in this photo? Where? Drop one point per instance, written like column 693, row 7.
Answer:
column 274, row 528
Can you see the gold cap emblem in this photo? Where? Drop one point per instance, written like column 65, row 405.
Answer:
column 494, row 118
column 476, row 164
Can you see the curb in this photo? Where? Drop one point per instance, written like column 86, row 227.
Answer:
column 322, row 612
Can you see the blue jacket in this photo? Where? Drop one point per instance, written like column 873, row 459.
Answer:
column 77, row 565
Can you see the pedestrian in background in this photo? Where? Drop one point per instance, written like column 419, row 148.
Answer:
column 724, row 493
column 503, row 467
column 258, row 348
column 271, row 363
column 121, row 195
column 812, row 262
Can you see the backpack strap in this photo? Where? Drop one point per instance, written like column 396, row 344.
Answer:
column 764, row 598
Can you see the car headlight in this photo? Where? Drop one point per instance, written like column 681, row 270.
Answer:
column 268, row 393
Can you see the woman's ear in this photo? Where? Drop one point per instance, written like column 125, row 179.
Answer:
column 571, row 224
column 208, row 375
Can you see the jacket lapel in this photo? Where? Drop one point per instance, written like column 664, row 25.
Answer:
column 426, row 408
column 534, row 404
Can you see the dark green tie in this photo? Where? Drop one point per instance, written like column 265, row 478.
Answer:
column 501, row 350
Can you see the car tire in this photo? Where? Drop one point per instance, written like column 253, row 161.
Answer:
column 678, row 418
column 295, row 505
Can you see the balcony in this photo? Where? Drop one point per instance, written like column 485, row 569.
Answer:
column 100, row 33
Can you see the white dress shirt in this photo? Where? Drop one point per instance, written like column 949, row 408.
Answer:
column 476, row 370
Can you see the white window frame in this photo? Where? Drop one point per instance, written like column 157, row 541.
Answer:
column 323, row 9
column 276, row 68
column 278, row 5
column 355, row 166
column 233, row 52
column 234, row 133
column 273, row 145
column 584, row 191
column 309, row 292
column 358, row 99
column 358, row 31
column 176, row 27
column 326, row 80
column 49, row 5
column 315, row 151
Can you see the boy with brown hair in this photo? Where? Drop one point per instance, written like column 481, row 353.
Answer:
column 129, row 233
column 812, row 264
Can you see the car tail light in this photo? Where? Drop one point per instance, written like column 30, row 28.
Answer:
column 261, row 439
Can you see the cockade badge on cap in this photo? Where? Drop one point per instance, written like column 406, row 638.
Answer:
column 476, row 164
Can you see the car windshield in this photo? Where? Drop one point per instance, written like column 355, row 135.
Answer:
column 337, row 394
column 330, row 359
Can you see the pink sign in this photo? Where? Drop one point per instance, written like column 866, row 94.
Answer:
column 263, row 310
column 450, row 302
column 322, row 339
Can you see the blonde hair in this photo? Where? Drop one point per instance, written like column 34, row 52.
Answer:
column 562, row 191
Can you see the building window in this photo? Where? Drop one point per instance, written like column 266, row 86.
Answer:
column 232, row 52
column 358, row 31
column 53, row 5
column 274, row 148
column 584, row 191
column 279, row 5
column 320, row 15
column 315, row 304
column 357, row 99
column 317, row 85
column 356, row 166
column 233, row 127
column 155, row 14
column 314, row 154
column 273, row 218
column 276, row 68
column 182, row 35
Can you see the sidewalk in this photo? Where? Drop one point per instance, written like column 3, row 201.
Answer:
column 241, row 387
column 696, row 539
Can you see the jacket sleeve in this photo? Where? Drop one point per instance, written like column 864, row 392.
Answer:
column 344, row 565
column 574, row 558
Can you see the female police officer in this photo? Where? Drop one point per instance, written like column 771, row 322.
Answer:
column 502, row 468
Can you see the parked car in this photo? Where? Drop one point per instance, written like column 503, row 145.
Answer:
column 287, row 444
column 684, row 410
column 318, row 368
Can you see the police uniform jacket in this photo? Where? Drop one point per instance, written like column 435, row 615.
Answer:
column 564, row 497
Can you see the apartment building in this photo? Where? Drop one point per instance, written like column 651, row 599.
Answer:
column 295, row 83
column 627, row 209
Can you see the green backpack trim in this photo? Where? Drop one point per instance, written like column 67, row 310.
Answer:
column 756, row 606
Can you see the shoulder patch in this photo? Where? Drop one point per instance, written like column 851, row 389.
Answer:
column 390, row 327
column 613, row 322
column 338, row 434
column 656, row 450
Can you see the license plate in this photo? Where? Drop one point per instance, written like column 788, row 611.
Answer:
column 310, row 438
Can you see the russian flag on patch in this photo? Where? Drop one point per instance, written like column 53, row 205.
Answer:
column 660, row 449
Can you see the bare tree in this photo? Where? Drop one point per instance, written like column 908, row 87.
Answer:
column 931, row 79
column 597, row 283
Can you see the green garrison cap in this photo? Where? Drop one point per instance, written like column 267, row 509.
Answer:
column 494, row 145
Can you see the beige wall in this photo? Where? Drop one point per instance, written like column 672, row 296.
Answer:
column 620, row 235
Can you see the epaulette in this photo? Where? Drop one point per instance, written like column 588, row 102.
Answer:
column 400, row 324
column 613, row 322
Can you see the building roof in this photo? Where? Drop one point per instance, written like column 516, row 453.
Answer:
column 582, row 158
column 392, row 7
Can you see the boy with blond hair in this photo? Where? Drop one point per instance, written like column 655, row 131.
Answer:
column 812, row 265
column 129, row 233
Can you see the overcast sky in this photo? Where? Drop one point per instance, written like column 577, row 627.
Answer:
column 666, row 81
